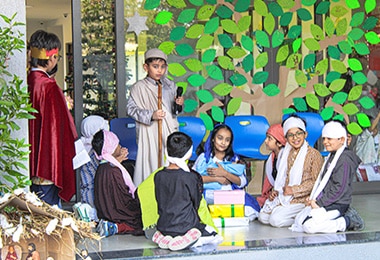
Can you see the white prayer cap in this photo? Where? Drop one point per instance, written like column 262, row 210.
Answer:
column 334, row 130
column 292, row 122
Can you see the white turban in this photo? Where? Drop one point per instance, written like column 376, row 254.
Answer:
column 334, row 130
column 293, row 122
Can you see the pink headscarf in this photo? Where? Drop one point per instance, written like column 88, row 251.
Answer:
column 110, row 144
column 277, row 132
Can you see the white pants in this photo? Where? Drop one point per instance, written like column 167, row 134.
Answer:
column 281, row 216
column 323, row 221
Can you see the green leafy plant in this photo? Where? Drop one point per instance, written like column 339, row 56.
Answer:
column 14, row 105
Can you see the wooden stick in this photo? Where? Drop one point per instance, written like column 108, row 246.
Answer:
column 159, row 103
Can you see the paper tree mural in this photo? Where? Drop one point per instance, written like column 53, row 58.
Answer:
column 312, row 54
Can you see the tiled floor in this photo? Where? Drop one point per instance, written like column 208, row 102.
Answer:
column 240, row 239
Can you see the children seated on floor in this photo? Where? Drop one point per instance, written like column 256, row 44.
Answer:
column 328, row 209
column 221, row 169
column 116, row 201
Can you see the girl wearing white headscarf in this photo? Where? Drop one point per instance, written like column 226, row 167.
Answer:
column 329, row 202
column 297, row 171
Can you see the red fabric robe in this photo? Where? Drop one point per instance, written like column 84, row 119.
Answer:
column 51, row 134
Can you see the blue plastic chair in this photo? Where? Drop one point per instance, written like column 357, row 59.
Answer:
column 249, row 134
column 314, row 125
column 125, row 129
column 193, row 127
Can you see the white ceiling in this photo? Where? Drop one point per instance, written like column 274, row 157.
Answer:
column 44, row 10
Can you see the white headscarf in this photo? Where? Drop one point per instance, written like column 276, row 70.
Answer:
column 180, row 162
column 89, row 127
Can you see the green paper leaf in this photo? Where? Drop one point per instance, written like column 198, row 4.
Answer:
column 356, row 33
column 262, row 38
column 224, row 12
column 293, row 61
column 269, row 23
column 184, row 49
column 355, row 64
column 301, row 78
column 261, row 60
column 167, row 47
column 275, row 9
column 345, row 47
column 329, row 26
column 339, row 98
column 321, row 90
column 366, row 102
column 357, row 19
column 260, row 7
column 338, row 11
column 186, row 16
column 247, row 63
column 177, row 3
column 176, row 69
column 286, row 111
column 225, row 63
column 294, row 31
column 339, row 117
column 207, row 121
column 286, row 18
column 225, row 40
column 355, row 93
column 190, row 105
column 300, row 104
column 327, row 113
column 341, row 27
column 354, row 128
column 359, row 77
column 195, row 31
column 271, row 90
column 247, row 43
column 363, row 120
column 177, row 33
column 204, row 96
column 209, row 56
column 369, row 6
column 217, row 114
column 244, row 23
column 361, row 48
column 308, row 2
column 238, row 79
column 321, row 67
column 352, row 4
column 312, row 100
column 212, row 25
column 323, row 7
column 370, row 23
column 282, row 53
column 242, row 5
column 151, row 4
column 277, row 38
column 332, row 75
column 286, row 4
column 304, row 14
column 222, row 89
column 333, row 52
column 196, row 80
column 260, row 77
column 350, row 109
column 229, row 26
column 337, row 85
column 205, row 12
column 236, row 52
column 339, row 66
column 312, row 44
column 296, row 45
column 309, row 61
column 193, row 64
column 196, row 2
column 372, row 37
column 317, row 32
column 163, row 17
column 204, row 42
column 214, row 72
column 233, row 105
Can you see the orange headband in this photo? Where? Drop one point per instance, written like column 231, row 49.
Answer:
column 42, row 54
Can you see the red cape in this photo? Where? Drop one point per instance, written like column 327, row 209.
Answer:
column 51, row 135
